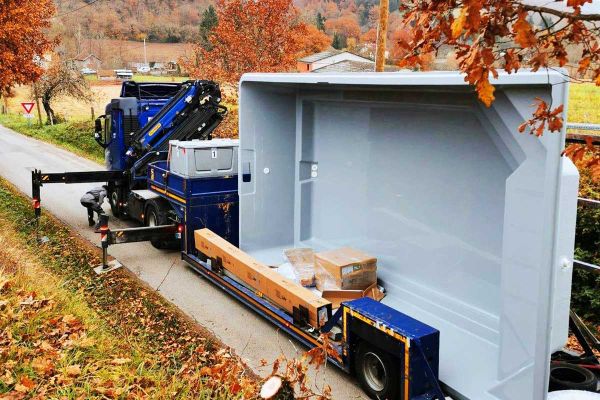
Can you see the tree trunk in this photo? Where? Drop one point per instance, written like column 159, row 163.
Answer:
column 49, row 111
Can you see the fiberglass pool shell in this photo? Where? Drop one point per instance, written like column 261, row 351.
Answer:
column 471, row 221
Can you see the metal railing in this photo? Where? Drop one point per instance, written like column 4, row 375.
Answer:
column 583, row 126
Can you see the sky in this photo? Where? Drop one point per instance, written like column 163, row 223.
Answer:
column 590, row 8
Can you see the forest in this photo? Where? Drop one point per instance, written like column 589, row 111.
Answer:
column 348, row 23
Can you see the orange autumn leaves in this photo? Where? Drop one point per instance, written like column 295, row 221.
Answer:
column 23, row 40
column 492, row 35
column 254, row 36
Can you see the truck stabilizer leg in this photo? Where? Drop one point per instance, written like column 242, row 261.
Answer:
column 104, row 240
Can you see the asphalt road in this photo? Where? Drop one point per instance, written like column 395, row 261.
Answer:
column 252, row 337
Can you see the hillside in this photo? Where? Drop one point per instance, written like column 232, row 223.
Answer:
column 347, row 22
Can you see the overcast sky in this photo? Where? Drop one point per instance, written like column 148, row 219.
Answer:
column 590, row 8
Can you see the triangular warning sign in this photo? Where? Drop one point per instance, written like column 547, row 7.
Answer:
column 28, row 107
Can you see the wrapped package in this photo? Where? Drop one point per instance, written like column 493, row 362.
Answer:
column 303, row 263
column 345, row 268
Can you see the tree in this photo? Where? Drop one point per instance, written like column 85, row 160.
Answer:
column 320, row 22
column 23, row 40
column 251, row 35
column 209, row 21
column 347, row 25
column 313, row 41
column 61, row 80
column 489, row 35
column 339, row 41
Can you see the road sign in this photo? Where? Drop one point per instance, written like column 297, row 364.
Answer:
column 28, row 115
column 28, row 107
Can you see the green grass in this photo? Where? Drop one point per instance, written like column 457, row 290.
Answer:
column 584, row 103
column 75, row 136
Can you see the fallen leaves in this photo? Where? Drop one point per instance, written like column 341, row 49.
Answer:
column 46, row 338
column 73, row 370
column 25, row 384
column 42, row 366
column 120, row 361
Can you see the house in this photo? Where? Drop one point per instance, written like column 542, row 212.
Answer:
column 325, row 58
column 90, row 61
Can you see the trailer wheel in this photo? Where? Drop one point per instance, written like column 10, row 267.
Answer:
column 564, row 376
column 377, row 372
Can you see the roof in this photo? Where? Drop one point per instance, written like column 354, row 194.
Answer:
column 352, row 66
column 81, row 57
column 320, row 56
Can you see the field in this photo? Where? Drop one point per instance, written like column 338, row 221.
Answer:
column 67, row 107
column 583, row 99
column 584, row 103
column 76, row 110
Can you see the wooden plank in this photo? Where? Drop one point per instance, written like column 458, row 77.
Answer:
column 265, row 282
column 338, row 296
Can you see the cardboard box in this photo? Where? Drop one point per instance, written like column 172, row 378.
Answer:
column 345, row 268
column 266, row 282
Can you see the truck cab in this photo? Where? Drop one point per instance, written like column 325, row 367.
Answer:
column 136, row 105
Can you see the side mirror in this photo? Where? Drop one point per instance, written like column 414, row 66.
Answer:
column 98, row 126
column 98, row 132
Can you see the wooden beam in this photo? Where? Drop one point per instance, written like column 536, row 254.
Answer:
column 265, row 282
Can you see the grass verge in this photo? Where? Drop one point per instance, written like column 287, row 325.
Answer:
column 68, row 333
column 76, row 136
column 583, row 103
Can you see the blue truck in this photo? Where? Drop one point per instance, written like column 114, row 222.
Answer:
column 293, row 165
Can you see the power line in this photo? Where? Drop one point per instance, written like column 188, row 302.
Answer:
column 76, row 9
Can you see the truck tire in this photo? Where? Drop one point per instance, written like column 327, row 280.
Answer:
column 377, row 372
column 565, row 376
column 114, row 197
column 156, row 215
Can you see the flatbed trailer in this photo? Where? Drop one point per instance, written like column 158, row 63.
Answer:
column 364, row 328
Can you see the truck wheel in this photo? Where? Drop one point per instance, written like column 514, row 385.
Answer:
column 377, row 372
column 564, row 376
column 113, row 200
column 156, row 216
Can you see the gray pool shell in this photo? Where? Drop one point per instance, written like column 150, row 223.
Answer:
column 472, row 222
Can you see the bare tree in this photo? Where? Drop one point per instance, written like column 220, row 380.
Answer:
column 61, row 79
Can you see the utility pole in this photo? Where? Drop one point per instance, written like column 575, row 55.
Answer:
column 145, row 58
column 382, row 28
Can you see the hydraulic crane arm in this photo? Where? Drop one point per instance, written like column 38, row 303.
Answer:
column 191, row 114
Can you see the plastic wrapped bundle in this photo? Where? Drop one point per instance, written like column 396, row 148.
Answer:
column 303, row 263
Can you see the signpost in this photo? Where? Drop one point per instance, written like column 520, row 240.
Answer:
column 28, row 107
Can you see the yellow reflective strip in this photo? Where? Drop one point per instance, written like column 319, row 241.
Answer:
column 406, row 368
column 163, row 191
